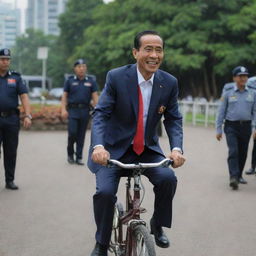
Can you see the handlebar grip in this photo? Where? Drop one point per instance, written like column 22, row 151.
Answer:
column 110, row 164
column 168, row 163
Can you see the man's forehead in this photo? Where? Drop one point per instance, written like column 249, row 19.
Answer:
column 153, row 40
column 80, row 65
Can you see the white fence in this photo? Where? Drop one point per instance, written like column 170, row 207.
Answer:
column 199, row 113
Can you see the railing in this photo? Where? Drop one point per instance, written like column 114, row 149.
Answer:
column 198, row 113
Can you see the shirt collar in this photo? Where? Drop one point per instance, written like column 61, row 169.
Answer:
column 85, row 78
column 236, row 88
column 141, row 78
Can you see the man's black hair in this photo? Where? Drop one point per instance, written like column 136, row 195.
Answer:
column 137, row 42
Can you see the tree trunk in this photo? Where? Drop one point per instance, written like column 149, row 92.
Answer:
column 193, row 88
column 206, row 84
column 214, row 85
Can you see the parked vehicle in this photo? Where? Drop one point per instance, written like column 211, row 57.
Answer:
column 36, row 92
column 56, row 92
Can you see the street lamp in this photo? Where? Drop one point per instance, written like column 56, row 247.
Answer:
column 42, row 54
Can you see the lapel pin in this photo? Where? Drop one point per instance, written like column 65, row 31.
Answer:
column 161, row 109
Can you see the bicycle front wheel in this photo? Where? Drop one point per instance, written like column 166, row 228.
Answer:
column 142, row 242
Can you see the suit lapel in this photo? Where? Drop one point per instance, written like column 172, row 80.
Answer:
column 132, row 87
column 155, row 97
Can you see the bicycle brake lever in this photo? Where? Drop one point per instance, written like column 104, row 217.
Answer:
column 168, row 163
column 110, row 164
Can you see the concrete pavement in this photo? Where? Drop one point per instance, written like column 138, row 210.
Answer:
column 51, row 214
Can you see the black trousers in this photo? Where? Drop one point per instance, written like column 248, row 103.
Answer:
column 9, row 136
column 238, row 137
column 254, row 155
column 107, row 180
column 76, row 135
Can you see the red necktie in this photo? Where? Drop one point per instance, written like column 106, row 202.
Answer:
column 138, row 141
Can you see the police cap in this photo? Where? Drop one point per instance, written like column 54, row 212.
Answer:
column 240, row 70
column 5, row 53
column 79, row 61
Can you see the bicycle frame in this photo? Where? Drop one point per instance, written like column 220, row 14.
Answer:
column 133, row 210
column 131, row 217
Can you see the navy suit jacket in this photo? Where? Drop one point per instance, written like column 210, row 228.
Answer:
column 115, row 116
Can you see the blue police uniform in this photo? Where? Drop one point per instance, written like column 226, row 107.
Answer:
column 11, row 85
column 238, row 109
column 79, row 98
column 251, row 84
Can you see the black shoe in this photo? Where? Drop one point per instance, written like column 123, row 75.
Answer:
column 242, row 180
column 79, row 161
column 233, row 183
column 100, row 250
column 11, row 185
column 71, row 160
column 250, row 171
column 160, row 237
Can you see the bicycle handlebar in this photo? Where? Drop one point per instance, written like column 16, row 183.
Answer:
column 164, row 163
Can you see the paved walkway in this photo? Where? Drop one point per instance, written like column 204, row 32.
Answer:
column 51, row 214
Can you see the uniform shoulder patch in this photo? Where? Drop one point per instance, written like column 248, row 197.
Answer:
column 228, row 87
column 71, row 77
column 15, row 73
column 92, row 77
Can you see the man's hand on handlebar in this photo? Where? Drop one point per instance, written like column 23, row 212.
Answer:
column 100, row 155
column 178, row 158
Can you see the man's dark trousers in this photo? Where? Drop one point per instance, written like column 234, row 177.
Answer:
column 76, row 134
column 107, row 180
column 9, row 133
column 238, row 137
column 254, row 155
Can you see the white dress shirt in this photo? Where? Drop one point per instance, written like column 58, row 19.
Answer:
column 146, row 91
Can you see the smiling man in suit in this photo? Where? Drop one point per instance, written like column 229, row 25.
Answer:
column 124, row 127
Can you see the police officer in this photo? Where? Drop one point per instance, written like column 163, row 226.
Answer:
column 79, row 91
column 251, row 84
column 238, row 109
column 11, row 86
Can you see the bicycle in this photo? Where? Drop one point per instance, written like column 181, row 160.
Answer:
column 138, row 240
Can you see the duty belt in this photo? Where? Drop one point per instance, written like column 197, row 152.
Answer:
column 239, row 122
column 9, row 112
column 79, row 105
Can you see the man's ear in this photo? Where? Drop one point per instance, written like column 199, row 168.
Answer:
column 134, row 53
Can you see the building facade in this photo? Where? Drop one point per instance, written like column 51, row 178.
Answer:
column 43, row 15
column 10, row 25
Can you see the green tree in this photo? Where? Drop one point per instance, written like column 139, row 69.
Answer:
column 25, row 56
column 73, row 22
column 204, row 39
column 206, row 45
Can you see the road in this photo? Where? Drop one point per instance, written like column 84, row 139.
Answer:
column 51, row 214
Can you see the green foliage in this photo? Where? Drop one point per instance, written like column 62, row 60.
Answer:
column 25, row 56
column 204, row 40
column 25, row 52
column 77, row 17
